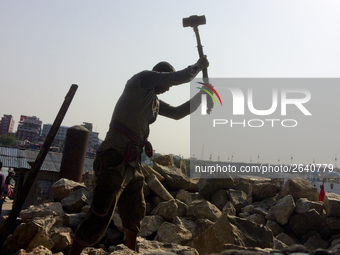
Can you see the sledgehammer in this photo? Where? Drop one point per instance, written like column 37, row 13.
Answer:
column 194, row 21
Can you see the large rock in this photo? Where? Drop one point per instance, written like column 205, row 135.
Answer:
column 304, row 205
column 157, row 187
column 89, row 179
column 155, row 247
column 147, row 171
column 186, row 222
column 201, row 226
column 181, row 165
column 303, row 223
column 220, row 198
column 332, row 204
column 61, row 238
column 333, row 223
column 274, row 227
column 171, row 233
column 207, row 187
column 233, row 230
column 265, row 204
column 316, row 242
column 76, row 201
column 300, row 188
column 150, row 225
column 164, row 160
column 238, row 198
column 257, row 218
column 261, row 191
column 229, row 209
column 167, row 209
column 187, row 197
column 64, row 187
column 243, row 184
column 174, row 178
column 40, row 250
column 43, row 210
column 73, row 220
column 28, row 236
column 203, row 209
column 285, row 239
column 282, row 210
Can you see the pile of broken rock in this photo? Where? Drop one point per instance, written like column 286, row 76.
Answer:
column 191, row 216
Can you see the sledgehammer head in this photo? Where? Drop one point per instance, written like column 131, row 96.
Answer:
column 194, row 21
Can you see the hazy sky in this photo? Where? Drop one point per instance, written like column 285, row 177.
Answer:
column 48, row 45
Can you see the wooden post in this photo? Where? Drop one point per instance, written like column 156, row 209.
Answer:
column 9, row 224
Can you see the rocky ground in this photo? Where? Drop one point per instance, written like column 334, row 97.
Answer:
column 190, row 216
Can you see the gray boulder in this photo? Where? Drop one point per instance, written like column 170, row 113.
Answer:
column 155, row 247
column 274, row 227
column 76, row 201
column 148, row 170
column 61, row 238
column 187, row 197
column 332, row 204
column 203, row 209
column 64, row 187
column 73, row 220
column 157, row 187
column 303, row 223
column 207, row 187
column 238, row 198
column 174, row 178
column 282, row 210
column 233, row 230
column 42, row 210
column 285, row 239
column 150, row 225
column 164, row 160
column 220, row 198
column 261, row 191
column 89, row 179
column 201, row 226
column 167, row 209
column 229, row 209
column 299, row 188
column 171, row 233
column 257, row 218
column 304, row 205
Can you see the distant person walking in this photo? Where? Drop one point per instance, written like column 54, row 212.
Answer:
column 322, row 191
column 2, row 188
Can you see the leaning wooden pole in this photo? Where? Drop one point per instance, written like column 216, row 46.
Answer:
column 9, row 224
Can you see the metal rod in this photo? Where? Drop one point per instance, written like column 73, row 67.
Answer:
column 9, row 224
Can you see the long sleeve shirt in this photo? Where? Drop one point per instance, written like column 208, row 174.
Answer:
column 139, row 106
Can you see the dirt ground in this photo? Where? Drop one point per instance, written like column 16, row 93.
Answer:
column 7, row 207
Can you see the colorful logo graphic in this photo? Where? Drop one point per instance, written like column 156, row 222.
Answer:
column 208, row 92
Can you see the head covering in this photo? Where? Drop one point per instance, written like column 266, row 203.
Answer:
column 11, row 171
column 163, row 67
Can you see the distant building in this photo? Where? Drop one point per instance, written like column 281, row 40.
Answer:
column 93, row 137
column 61, row 134
column 29, row 128
column 88, row 126
column 6, row 124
